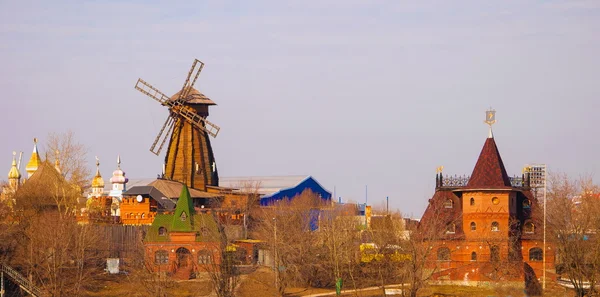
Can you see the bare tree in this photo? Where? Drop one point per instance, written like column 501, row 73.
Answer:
column 142, row 271
column 72, row 156
column 422, row 238
column 56, row 253
column 573, row 214
column 289, row 228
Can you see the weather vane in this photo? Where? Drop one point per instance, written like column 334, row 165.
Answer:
column 490, row 119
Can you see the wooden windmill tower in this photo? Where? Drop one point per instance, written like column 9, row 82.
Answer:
column 189, row 157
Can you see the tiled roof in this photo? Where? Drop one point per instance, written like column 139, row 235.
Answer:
column 489, row 171
column 172, row 189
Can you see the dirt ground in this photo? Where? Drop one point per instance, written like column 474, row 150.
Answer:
column 261, row 283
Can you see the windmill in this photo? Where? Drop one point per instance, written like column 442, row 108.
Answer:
column 189, row 157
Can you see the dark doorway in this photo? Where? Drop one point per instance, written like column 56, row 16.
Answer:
column 183, row 257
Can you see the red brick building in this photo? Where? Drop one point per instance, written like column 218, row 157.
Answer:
column 491, row 225
column 183, row 242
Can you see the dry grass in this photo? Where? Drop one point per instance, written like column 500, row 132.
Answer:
column 122, row 285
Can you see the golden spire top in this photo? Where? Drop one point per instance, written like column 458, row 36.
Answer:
column 439, row 169
column 97, row 182
column 14, row 171
column 490, row 119
column 35, row 161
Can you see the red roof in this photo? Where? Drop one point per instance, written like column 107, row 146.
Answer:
column 489, row 172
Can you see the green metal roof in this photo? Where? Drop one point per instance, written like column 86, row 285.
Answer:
column 204, row 225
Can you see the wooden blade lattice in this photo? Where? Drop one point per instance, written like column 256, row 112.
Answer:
column 168, row 125
column 187, row 87
column 177, row 107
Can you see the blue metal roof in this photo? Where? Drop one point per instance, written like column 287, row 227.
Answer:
column 308, row 183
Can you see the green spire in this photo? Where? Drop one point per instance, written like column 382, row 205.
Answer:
column 184, row 211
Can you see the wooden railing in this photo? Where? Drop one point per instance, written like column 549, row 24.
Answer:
column 20, row 280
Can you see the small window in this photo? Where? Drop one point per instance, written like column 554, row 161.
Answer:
column 536, row 254
column 526, row 204
column 183, row 216
column 529, row 228
column 204, row 231
column 495, row 200
column 204, row 257
column 162, row 231
column 495, row 226
column 448, row 203
column 161, row 257
column 443, row 254
column 451, row 229
column 473, row 256
column 143, row 215
column 472, row 202
column 473, row 226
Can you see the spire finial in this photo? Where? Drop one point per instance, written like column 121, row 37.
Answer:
column 119, row 161
column 57, row 161
column 97, row 162
column 490, row 119
column 35, row 141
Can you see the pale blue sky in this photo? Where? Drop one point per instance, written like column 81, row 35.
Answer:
column 351, row 92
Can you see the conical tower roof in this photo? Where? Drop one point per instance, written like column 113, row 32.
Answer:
column 184, row 211
column 14, row 171
column 35, row 161
column 194, row 97
column 489, row 171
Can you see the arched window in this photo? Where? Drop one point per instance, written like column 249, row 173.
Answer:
column 526, row 204
column 443, row 254
column 536, row 254
column 495, row 226
column 472, row 201
column 161, row 257
column 473, row 256
column 451, row 228
column 473, row 226
column 162, row 231
column 448, row 203
column 143, row 215
column 204, row 231
column 529, row 228
column 495, row 200
column 494, row 253
column 204, row 257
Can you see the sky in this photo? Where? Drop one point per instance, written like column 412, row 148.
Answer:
column 354, row 93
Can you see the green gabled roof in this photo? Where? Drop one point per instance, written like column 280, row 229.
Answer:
column 184, row 212
column 160, row 220
column 204, row 225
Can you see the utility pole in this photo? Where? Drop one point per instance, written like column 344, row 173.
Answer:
column 544, row 253
column 275, row 254
column 387, row 204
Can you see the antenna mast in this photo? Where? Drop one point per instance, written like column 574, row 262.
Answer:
column 20, row 158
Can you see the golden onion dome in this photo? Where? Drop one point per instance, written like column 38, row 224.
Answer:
column 14, row 171
column 97, row 182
